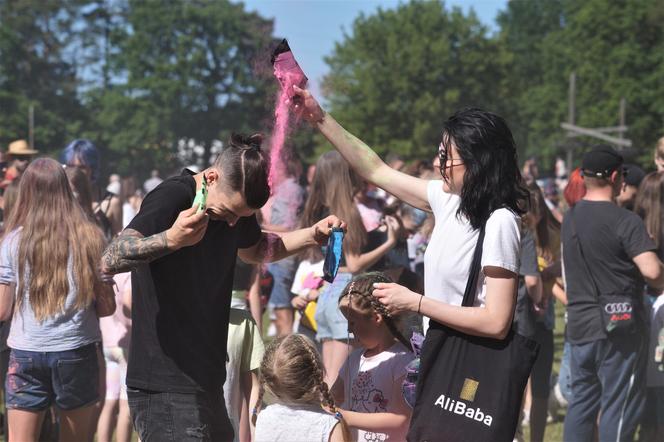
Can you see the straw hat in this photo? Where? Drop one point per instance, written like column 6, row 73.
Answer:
column 21, row 147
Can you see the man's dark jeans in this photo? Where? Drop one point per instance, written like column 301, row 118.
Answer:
column 607, row 375
column 159, row 416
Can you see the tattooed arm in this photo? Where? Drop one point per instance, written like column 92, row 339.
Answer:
column 131, row 249
column 272, row 247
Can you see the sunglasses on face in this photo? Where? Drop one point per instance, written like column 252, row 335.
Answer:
column 445, row 162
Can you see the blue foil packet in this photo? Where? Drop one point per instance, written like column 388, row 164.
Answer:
column 333, row 254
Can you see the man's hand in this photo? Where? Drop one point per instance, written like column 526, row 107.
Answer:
column 321, row 231
column 305, row 105
column 188, row 229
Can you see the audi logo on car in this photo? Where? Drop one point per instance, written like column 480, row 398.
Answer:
column 618, row 307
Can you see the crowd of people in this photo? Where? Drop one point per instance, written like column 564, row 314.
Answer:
column 125, row 308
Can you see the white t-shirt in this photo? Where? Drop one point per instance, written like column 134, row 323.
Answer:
column 128, row 213
column 375, row 387
column 306, row 275
column 449, row 254
column 295, row 423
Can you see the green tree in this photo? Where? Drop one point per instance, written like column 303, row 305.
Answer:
column 402, row 72
column 615, row 48
column 190, row 70
column 34, row 71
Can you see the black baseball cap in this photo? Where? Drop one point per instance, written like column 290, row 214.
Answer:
column 633, row 175
column 601, row 161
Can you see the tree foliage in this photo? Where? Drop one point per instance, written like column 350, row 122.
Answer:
column 144, row 79
column 34, row 71
column 615, row 49
column 402, row 72
column 147, row 80
column 399, row 73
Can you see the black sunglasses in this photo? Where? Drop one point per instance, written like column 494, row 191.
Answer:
column 443, row 158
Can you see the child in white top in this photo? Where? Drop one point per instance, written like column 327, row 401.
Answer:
column 292, row 373
column 371, row 379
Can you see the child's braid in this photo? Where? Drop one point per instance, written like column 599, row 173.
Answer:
column 259, row 402
column 362, row 287
column 326, row 395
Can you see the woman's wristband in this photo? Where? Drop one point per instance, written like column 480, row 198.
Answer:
column 419, row 304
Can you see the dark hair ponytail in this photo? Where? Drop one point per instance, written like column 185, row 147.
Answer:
column 492, row 179
column 244, row 168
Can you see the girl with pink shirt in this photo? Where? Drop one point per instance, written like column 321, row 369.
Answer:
column 116, row 335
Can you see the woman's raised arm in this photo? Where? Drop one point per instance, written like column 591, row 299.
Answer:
column 361, row 157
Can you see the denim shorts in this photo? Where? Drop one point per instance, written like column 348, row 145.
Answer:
column 36, row 380
column 331, row 323
column 283, row 273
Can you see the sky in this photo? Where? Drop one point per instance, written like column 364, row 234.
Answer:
column 313, row 26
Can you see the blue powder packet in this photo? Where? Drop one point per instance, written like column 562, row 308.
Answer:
column 333, row 254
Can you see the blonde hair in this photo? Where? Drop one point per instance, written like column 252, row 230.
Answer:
column 293, row 372
column 649, row 205
column 659, row 148
column 54, row 227
column 358, row 295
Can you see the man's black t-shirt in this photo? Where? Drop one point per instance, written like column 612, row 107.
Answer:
column 180, row 302
column 610, row 237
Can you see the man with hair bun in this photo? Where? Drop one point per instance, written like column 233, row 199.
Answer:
column 182, row 262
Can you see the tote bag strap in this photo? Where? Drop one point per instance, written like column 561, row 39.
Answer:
column 471, row 285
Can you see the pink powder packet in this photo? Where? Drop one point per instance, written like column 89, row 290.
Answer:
column 286, row 69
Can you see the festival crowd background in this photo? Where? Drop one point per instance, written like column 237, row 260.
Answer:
column 278, row 299
column 384, row 234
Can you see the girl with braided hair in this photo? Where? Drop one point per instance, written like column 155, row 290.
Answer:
column 373, row 374
column 303, row 409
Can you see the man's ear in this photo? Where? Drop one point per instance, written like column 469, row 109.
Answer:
column 615, row 175
column 378, row 318
column 212, row 176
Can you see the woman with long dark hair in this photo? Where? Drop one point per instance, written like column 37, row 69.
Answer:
column 481, row 187
column 51, row 287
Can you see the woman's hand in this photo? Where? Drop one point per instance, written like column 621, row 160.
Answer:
column 396, row 298
column 305, row 105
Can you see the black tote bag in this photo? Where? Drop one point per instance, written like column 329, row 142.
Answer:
column 470, row 388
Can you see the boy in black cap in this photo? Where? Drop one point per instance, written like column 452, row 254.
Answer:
column 606, row 251
column 632, row 177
